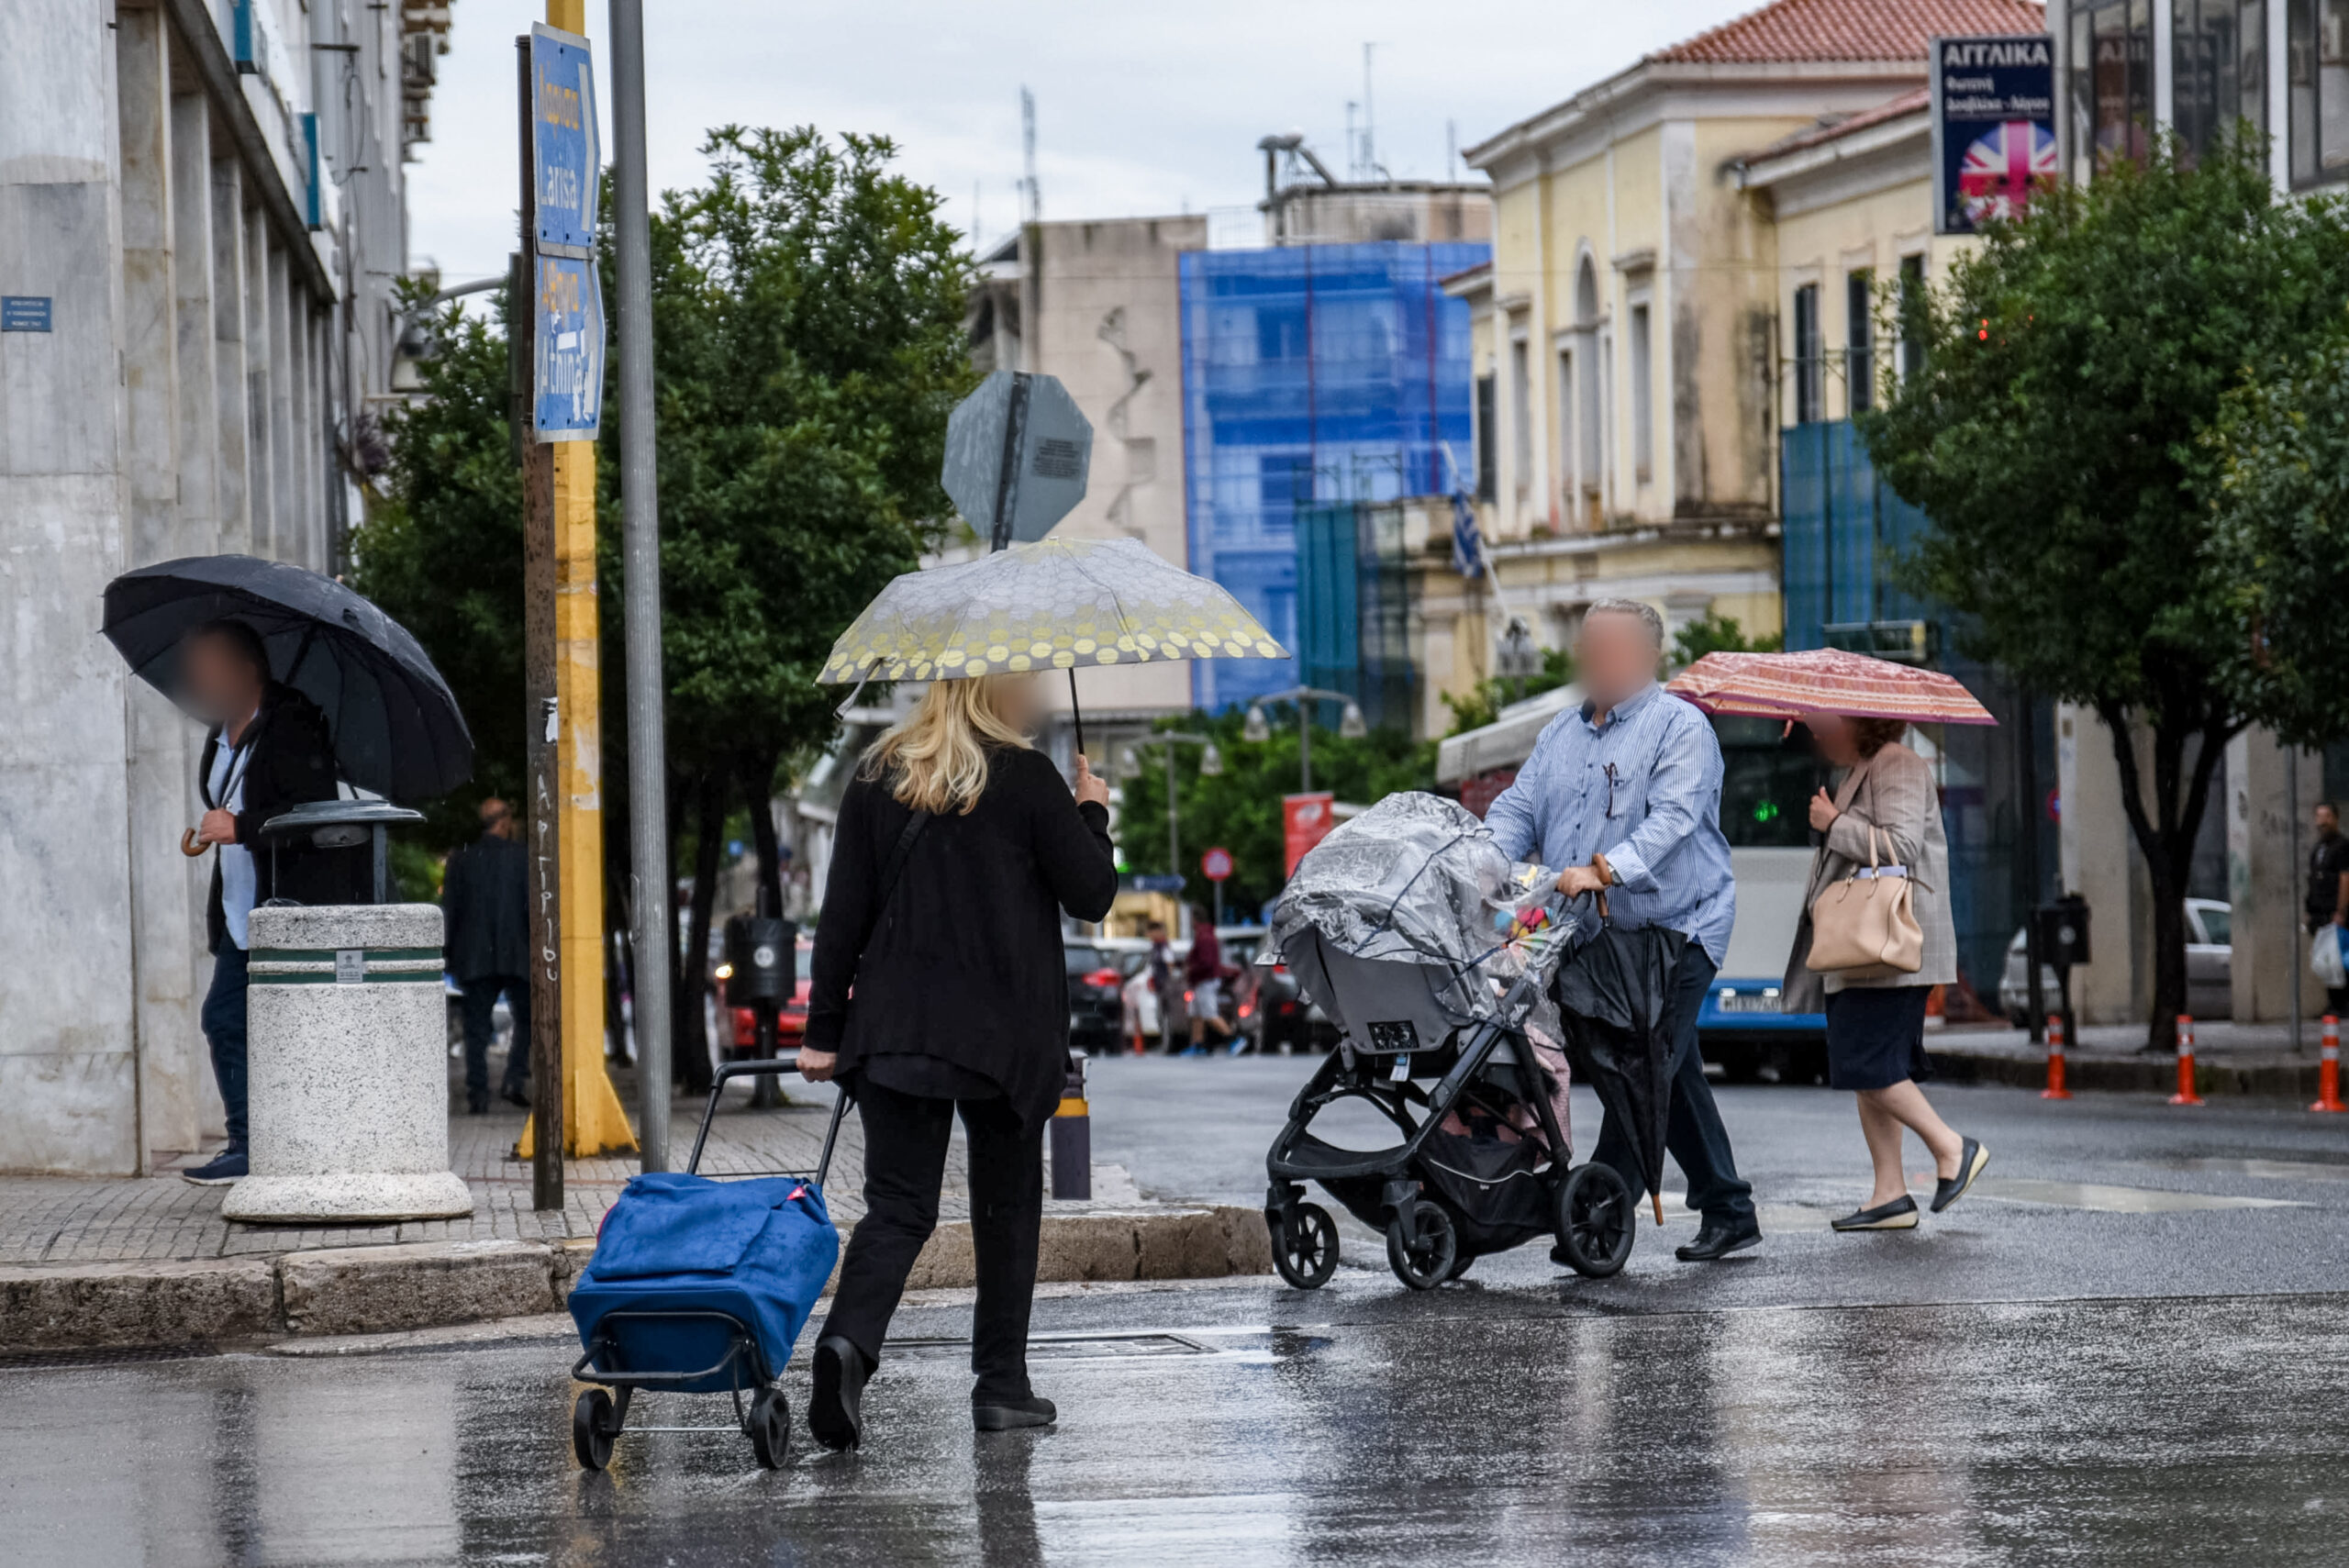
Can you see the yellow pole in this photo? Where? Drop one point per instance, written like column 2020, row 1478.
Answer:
column 593, row 1121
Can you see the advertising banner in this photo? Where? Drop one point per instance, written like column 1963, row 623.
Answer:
column 1994, row 127
column 1306, row 821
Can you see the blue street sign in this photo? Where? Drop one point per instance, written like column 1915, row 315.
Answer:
column 565, row 152
column 568, row 333
column 1157, row 884
column 24, row 313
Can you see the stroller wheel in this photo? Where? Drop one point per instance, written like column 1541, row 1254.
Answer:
column 593, row 1428
column 769, row 1425
column 1305, row 1246
column 1596, row 1220
column 1426, row 1262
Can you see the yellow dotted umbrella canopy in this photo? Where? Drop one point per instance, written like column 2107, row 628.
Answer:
column 1052, row 604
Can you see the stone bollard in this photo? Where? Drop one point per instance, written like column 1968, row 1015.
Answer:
column 349, row 1077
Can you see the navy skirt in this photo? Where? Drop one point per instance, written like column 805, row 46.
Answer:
column 1875, row 1036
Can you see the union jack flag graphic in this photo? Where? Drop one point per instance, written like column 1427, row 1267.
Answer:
column 1995, row 178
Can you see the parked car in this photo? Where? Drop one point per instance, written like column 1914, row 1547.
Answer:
column 2210, row 967
column 1097, row 1004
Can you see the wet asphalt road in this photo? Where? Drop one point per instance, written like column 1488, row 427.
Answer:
column 2131, row 1354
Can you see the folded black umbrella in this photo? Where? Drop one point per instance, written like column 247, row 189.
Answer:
column 396, row 727
column 1612, row 996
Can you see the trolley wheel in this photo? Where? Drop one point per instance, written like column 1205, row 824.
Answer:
column 1305, row 1246
column 1426, row 1262
column 1596, row 1220
column 594, row 1425
column 769, row 1425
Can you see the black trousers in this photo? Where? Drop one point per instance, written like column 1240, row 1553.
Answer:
column 479, row 1008
column 905, row 1139
column 1693, row 1134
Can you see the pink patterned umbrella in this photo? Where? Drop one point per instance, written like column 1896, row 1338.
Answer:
column 1825, row 680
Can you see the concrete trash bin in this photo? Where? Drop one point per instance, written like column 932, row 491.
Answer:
column 347, row 1081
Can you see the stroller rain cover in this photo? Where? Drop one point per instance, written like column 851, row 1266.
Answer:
column 1402, row 901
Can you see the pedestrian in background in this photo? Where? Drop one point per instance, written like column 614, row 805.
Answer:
column 1203, row 983
column 2328, row 893
column 940, row 987
column 1886, row 811
column 1624, row 793
column 485, row 942
column 267, row 752
column 1162, row 981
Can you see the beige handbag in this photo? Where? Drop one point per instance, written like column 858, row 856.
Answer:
column 1867, row 920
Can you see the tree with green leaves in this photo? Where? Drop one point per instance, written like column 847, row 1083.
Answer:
column 1714, row 632
column 1240, row 809
column 2058, row 437
column 1485, row 699
column 2280, row 544
column 808, row 347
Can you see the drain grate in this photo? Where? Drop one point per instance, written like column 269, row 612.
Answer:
column 56, row 1361
column 1063, row 1347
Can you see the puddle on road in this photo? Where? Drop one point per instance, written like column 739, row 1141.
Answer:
column 1063, row 1347
column 2266, row 1170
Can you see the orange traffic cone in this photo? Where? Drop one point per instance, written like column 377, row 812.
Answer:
column 2056, row 1090
column 2328, row 1070
column 2186, row 1095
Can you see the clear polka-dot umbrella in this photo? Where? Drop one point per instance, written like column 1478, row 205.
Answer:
column 1053, row 604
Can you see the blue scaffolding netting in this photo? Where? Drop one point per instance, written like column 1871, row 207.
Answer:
column 1312, row 376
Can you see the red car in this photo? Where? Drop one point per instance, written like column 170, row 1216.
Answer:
column 791, row 1023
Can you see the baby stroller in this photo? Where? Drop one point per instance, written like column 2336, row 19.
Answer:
column 701, row 1287
column 1431, row 953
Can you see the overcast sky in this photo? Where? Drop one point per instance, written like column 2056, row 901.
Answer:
column 1140, row 109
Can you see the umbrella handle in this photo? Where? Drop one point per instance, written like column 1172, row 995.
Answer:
column 189, row 846
column 1656, row 1199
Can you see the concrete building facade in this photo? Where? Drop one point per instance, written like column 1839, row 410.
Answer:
column 201, row 216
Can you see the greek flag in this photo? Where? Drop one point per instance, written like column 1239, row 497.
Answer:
column 1467, row 543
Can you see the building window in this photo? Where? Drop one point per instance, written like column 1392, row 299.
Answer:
column 1912, row 314
column 2219, row 58
column 2112, row 81
column 1487, row 482
column 1809, row 383
column 1642, row 398
column 1521, row 415
column 1859, row 347
column 2317, row 62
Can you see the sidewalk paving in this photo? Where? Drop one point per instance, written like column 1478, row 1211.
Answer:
column 87, row 1261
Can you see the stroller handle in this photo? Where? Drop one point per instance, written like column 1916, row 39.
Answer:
column 774, row 1066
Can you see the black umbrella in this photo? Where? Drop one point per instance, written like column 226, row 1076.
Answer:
column 397, row 729
column 1613, row 995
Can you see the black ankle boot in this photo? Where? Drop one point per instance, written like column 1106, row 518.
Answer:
column 836, row 1406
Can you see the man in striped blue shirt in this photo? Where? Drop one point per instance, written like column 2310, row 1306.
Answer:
column 1624, row 793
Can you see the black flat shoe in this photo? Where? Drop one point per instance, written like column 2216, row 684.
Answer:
column 836, row 1405
column 514, row 1097
column 1900, row 1213
column 1971, row 1159
column 1717, row 1240
column 1008, row 1415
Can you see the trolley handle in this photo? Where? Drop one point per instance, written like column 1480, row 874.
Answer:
column 772, row 1067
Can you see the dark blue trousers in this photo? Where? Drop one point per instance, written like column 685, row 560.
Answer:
column 223, row 1020
column 1694, row 1136
column 479, row 1008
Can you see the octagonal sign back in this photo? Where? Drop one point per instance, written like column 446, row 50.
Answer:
column 1018, row 451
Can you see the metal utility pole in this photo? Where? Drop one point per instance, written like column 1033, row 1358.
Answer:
column 648, row 781
column 1034, row 211
column 1210, row 766
column 1350, row 723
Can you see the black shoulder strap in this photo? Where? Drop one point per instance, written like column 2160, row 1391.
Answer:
column 899, row 853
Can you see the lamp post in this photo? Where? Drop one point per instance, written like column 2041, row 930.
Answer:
column 1349, row 724
column 1210, row 766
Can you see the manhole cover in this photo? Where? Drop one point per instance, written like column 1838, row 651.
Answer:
column 49, row 1361
column 1063, row 1347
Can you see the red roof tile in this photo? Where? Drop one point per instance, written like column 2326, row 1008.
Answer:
column 1795, row 31
column 1915, row 101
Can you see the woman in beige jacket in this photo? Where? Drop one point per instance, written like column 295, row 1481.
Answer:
column 1875, row 1018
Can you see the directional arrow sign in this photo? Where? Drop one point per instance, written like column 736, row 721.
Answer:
column 566, row 155
column 1016, row 454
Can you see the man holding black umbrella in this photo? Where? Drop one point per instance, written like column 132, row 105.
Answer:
column 268, row 750
column 1624, row 793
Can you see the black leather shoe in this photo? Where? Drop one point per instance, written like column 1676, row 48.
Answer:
column 476, row 1105
column 1006, row 1414
column 1718, row 1239
column 1900, row 1213
column 514, row 1097
column 1971, row 1158
column 836, row 1406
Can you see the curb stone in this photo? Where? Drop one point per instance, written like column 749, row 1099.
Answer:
column 390, row 1289
column 2154, row 1073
